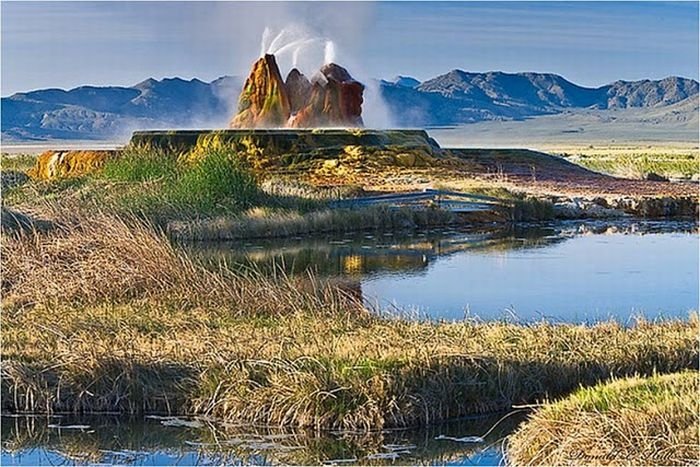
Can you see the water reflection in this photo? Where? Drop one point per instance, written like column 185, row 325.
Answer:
column 567, row 271
column 32, row 440
column 362, row 255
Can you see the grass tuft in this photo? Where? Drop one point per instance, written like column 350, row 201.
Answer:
column 219, row 177
column 636, row 421
column 140, row 166
column 161, row 186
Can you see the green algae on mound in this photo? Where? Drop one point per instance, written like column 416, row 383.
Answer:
column 281, row 141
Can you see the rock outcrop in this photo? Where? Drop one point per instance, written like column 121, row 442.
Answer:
column 298, row 89
column 264, row 102
column 63, row 164
column 335, row 100
column 332, row 98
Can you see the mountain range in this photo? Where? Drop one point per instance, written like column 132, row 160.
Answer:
column 454, row 98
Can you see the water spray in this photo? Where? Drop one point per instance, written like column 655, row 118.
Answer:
column 265, row 39
column 297, row 41
column 329, row 53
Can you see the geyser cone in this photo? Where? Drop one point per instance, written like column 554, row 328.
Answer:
column 298, row 89
column 335, row 100
column 264, row 102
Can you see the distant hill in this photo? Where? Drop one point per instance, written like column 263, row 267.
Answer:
column 90, row 112
column 662, row 123
column 457, row 97
column 461, row 97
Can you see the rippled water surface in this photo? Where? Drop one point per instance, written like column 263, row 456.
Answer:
column 573, row 272
column 29, row 440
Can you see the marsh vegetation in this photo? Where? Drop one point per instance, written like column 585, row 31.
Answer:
column 103, row 312
column 635, row 421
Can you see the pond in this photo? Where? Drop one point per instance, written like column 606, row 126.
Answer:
column 562, row 272
column 155, row 440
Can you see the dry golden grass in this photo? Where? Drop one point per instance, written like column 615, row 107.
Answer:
column 637, row 421
column 105, row 258
column 102, row 314
column 674, row 160
column 266, row 222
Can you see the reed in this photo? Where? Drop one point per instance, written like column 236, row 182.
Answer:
column 266, row 222
column 635, row 421
column 104, row 314
column 115, row 259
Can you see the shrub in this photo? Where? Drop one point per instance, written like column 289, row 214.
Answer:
column 140, row 166
column 219, row 178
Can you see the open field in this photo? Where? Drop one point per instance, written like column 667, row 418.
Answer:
column 636, row 421
column 673, row 160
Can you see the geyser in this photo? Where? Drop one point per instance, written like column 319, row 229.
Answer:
column 331, row 98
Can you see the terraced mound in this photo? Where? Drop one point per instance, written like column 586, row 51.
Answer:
column 300, row 148
column 395, row 161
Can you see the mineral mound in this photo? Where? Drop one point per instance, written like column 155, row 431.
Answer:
column 298, row 88
column 264, row 102
column 333, row 98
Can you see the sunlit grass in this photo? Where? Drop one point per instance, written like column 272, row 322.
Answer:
column 637, row 161
column 103, row 314
column 636, row 421
column 21, row 162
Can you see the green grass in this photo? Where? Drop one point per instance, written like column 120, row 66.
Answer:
column 141, row 166
column 218, row 182
column 21, row 162
column 219, row 179
column 637, row 396
column 675, row 167
column 152, row 184
column 637, row 162
column 638, row 421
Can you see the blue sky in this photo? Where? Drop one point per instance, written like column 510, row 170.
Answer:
column 67, row 44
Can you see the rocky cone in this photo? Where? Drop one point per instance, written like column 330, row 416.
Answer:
column 333, row 98
column 264, row 102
